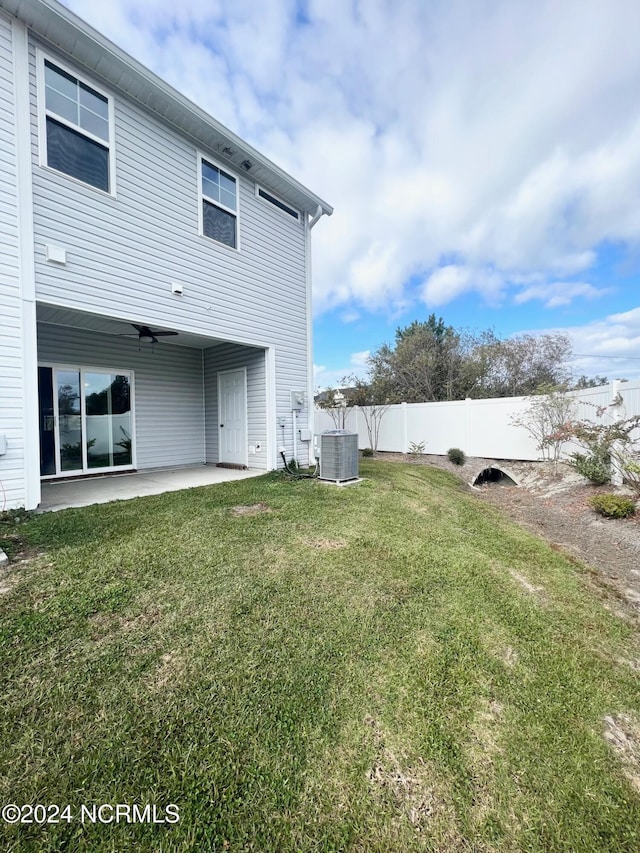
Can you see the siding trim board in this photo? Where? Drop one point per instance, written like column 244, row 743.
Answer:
column 27, row 275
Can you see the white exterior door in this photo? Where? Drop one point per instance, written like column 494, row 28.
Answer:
column 232, row 417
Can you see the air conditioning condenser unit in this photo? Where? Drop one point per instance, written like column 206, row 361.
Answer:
column 339, row 455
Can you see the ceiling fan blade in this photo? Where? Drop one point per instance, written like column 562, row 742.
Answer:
column 162, row 334
column 140, row 329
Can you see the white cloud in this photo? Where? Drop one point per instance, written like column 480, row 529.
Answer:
column 505, row 136
column 609, row 347
column 559, row 293
column 450, row 281
column 357, row 366
column 360, row 360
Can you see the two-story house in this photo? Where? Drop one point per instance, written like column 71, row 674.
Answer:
column 155, row 271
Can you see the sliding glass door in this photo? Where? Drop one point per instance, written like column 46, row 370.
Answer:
column 86, row 420
column 108, row 419
column 69, row 421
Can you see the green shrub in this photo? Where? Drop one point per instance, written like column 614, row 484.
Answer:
column 596, row 466
column 613, row 506
column 416, row 448
column 456, row 456
column 630, row 467
column 367, row 451
column 15, row 516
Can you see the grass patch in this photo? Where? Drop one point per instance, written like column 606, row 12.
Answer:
column 389, row 667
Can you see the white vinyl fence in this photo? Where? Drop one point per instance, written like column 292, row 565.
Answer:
column 479, row 427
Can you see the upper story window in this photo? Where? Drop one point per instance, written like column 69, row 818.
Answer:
column 277, row 202
column 219, row 204
column 78, row 128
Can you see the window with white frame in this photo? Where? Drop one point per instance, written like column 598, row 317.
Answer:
column 219, row 204
column 277, row 202
column 78, row 128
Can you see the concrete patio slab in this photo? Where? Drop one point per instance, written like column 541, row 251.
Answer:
column 58, row 495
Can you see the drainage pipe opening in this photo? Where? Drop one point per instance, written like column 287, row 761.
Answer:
column 494, row 476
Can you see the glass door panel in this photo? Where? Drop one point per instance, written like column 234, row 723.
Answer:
column 108, row 419
column 69, row 419
column 47, row 422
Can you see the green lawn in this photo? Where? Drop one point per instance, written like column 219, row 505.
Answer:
column 386, row 667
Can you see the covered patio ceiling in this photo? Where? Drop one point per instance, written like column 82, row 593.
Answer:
column 69, row 317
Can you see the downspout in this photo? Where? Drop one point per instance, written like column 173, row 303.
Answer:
column 309, row 224
column 316, row 217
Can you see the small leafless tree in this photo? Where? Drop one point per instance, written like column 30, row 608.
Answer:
column 337, row 405
column 549, row 421
column 366, row 398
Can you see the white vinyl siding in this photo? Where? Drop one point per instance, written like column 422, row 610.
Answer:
column 125, row 252
column 12, row 424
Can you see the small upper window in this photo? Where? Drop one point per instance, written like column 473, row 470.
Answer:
column 77, row 128
column 219, row 205
column 276, row 202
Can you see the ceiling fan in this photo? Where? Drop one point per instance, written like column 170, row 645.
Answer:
column 146, row 335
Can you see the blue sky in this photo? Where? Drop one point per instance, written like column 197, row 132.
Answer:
column 483, row 158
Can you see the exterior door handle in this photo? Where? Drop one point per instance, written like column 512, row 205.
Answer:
column 221, row 425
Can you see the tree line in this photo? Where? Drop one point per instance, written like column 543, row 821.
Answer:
column 432, row 361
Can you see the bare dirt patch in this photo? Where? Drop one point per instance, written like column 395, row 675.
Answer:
column 410, row 788
column 525, row 584
column 483, row 749
column 252, row 509
column 623, row 733
column 104, row 625
column 325, row 544
column 170, row 670
column 556, row 508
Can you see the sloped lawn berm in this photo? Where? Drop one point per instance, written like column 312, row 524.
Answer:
column 389, row 667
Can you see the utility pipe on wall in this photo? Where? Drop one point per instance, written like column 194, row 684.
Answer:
column 295, row 438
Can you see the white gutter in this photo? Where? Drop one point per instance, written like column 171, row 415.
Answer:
column 316, row 217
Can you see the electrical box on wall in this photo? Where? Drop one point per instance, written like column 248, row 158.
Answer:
column 3, row 445
column 297, row 400
column 305, row 435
